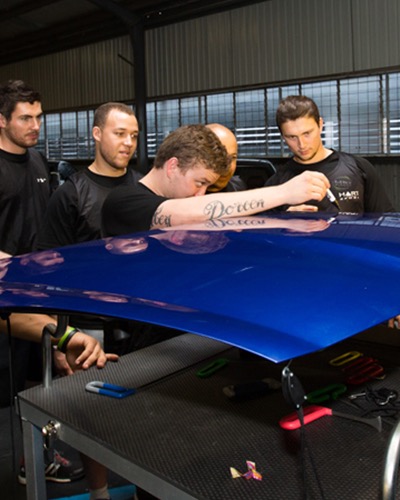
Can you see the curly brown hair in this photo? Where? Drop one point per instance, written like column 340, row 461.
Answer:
column 191, row 145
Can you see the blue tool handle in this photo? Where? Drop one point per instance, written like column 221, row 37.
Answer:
column 115, row 394
column 113, row 387
column 111, row 390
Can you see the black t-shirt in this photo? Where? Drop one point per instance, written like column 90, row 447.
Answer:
column 24, row 195
column 354, row 182
column 74, row 212
column 74, row 216
column 129, row 209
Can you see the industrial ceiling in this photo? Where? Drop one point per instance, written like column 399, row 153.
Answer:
column 32, row 28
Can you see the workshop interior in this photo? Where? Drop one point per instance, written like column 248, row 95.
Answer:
column 257, row 354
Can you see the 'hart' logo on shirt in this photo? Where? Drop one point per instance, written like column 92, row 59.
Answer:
column 41, row 180
column 349, row 195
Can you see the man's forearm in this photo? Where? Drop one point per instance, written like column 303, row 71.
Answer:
column 304, row 187
column 27, row 326
column 216, row 206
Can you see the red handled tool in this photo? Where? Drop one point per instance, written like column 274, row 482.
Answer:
column 314, row 412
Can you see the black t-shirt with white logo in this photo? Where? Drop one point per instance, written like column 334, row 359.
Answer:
column 24, row 195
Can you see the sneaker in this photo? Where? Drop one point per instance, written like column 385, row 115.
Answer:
column 60, row 470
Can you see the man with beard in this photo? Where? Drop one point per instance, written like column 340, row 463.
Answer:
column 74, row 216
column 24, row 194
column 24, row 175
column 74, row 212
column 355, row 185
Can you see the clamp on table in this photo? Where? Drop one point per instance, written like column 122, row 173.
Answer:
column 51, row 330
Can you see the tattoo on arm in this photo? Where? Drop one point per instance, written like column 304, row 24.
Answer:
column 217, row 210
column 161, row 220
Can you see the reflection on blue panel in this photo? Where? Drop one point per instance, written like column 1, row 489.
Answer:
column 279, row 287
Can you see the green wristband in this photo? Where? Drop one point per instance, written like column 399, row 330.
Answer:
column 63, row 342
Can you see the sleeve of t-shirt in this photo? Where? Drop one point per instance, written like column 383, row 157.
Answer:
column 129, row 209
column 58, row 228
column 375, row 198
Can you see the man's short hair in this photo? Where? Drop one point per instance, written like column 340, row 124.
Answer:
column 13, row 92
column 294, row 107
column 102, row 112
column 193, row 144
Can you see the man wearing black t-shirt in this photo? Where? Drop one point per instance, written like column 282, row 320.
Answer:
column 24, row 195
column 24, row 177
column 189, row 160
column 355, row 185
column 74, row 211
column 74, row 216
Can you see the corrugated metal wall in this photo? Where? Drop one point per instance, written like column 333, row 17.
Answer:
column 266, row 42
column 376, row 33
column 272, row 41
column 81, row 77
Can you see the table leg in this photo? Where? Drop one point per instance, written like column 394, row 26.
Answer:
column 34, row 461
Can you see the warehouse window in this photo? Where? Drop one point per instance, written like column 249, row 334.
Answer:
column 52, row 129
column 361, row 115
column 361, row 121
column 392, row 120
column 250, row 126
column 167, row 113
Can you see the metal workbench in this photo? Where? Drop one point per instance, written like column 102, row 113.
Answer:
column 178, row 436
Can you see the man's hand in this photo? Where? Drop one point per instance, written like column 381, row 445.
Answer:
column 83, row 351
column 306, row 186
column 394, row 322
column 61, row 364
column 302, row 208
column 4, row 255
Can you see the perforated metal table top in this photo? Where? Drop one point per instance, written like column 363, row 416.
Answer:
column 178, row 436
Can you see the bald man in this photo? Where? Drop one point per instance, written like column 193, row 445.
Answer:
column 227, row 182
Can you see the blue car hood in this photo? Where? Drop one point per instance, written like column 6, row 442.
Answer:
column 277, row 286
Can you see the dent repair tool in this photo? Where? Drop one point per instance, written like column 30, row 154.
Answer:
column 345, row 358
column 363, row 370
column 212, row 367
column 332, row 391
column 110, row 390
column 314, row 412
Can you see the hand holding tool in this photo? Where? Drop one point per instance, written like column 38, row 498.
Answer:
column 332, row 198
